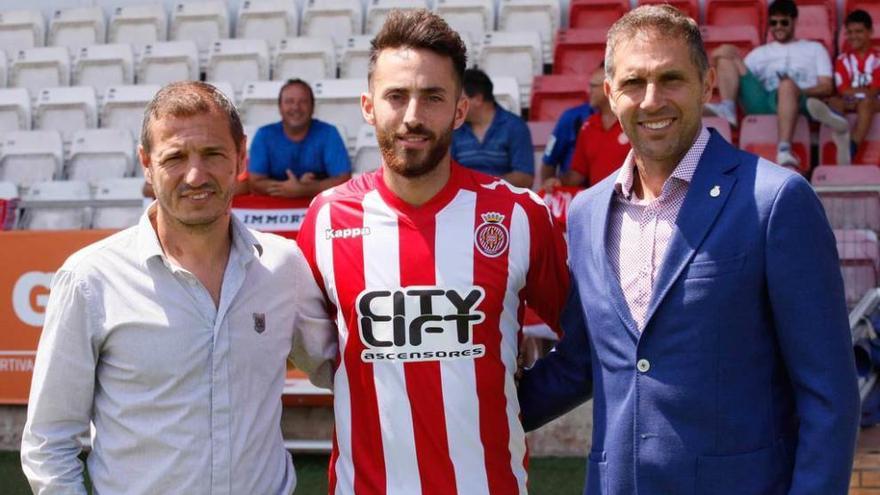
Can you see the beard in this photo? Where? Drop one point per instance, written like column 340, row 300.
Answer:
column 413, row 163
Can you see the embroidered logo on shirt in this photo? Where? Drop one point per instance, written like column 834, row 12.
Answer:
column 492, row 237
column 346, row 233
column 259, row 322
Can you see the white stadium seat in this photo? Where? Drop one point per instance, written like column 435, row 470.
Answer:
column 259, row 103
column 516, row 54
column 238, row 61
column 506, row 92
column 338, row 101
column 378, row 10
column 100, row 153
column 118, row 203
column 21, row 29
column 338, row 19
column 542, row 16
column 366, row 152
column 308, row 57
column 355, row 58
column 4, row 71
column 41, row 67
column 66, row 110
column 269, row 20
column 101, row 66
column 168, row 61
column 56, row 205
column 31, row 156
column 76, row 27
column 15, row 110
column 250, row 131
column 138, row 25
column 228, row 90
column 123, row 107
column 202, row 21
column 473, row 18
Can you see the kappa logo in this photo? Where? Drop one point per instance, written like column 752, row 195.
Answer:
column 492, row 237
column 346, row 233
column 259, row 322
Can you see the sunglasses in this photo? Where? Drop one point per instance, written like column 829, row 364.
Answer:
column 780, row 22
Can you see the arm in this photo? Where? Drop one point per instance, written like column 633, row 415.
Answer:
column 315, row 344
column 519, row 179
column 823, row 87
column 304, row 187
column 62, row 391
column 807, row 301
column 824, row 72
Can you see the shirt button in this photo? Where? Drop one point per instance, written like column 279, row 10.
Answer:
column 643, row 365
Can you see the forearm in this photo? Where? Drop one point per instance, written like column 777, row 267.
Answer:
column 547, row 172
column 259, row 184
column 824, row 88
column 519, row 179
column 314, row 187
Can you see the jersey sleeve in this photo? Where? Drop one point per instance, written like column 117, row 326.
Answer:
column 258, row 155
column 841, row 75
column 547, row 282
column 522, row 155
column 335, row 157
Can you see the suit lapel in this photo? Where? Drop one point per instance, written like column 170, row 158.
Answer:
column 707, row 194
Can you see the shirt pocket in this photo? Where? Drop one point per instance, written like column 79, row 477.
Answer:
column 714, row 268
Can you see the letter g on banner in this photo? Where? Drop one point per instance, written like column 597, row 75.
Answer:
column 29, row 297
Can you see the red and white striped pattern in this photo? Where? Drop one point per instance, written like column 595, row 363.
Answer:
column 432, row 425
column 853, row 70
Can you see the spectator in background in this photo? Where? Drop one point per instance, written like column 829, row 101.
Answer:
column 493, row 140
column 299, row 156
column 775, row 78
column 560, row 147
column 601, row 145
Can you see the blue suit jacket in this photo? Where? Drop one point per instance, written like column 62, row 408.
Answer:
column 751, row 387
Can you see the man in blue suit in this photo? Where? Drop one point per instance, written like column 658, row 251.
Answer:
column 707, row 317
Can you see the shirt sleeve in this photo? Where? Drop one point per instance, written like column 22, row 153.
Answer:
column 62, row 390
column 522, row 155
column 335, row 157
column 841, row 76
column 258, row 155
column 547, row 282
column 315, row 344
column 823, row 61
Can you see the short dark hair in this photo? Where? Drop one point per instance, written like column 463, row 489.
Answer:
column 783, row 7
column 419, row 29
column 476, row 82
column 187, row 99
column 291, row 82
column 861, row 17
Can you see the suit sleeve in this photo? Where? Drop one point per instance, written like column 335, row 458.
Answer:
column 807, row 300
column 561, row 380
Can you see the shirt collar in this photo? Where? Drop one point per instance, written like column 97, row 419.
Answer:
column 684, row 171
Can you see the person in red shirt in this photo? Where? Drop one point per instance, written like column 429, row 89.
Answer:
column 601, row 145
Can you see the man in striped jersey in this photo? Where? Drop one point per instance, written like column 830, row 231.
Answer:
column 427, row 266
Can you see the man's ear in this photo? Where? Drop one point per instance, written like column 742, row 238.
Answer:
column 461, row 110
column 367, row 108
column 144, row 159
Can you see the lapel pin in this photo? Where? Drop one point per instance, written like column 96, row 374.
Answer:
column 715, row 192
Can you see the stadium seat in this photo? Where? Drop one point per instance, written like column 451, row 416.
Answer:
column 250, row 131
column 101, row 66
column 308, row 57
column 76, row 27
column 850, row 195
column 100, row 154
column 41, row 67
column 238, row 61
column 123, row 107
column 338, row 19
column 202, row 21
column 118, row 203
column 515, row 54
column 817, row 32
column 355, row 59
column 268, row 20
column 338, row 101
column 817, row 21
column 56, row 205
column 473, row 18
column 869, row 152
column 542, row 16
column 505, row 89
column 27, row 157
column 378, row 10
column 229, row 91
column 138, row 25
column 759, row 135
column 20, row 30
column 597, row 14
column 168, row 61
column 554, row 94
column 66, row 110
column 689, row 7
column 859, row 262
column 540, row 131
column 8, row 205
column 736, row 13
column 366, row 155
column 579, row 51
column 744, row 38
column 4, row 70
column 721, row 125
column 259, row 103
column 15, row 110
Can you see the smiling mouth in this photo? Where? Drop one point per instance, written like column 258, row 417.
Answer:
column 657, row 124
column 198, row 196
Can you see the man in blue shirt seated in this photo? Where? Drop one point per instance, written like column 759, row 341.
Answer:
column 492, row 140
column 299, row 156
column 560, row 146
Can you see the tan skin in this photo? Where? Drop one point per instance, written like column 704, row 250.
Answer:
column 480, row 115
column 862, row 101
column 192, row 167
column 296, row 109
column 658, row 94
column 414, row 87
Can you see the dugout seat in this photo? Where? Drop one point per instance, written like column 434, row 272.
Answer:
column 41, row 67
column 15, row 110
column 138, row 25
column 66, row 110
column 308, row 57
column 268, row 20
column 20, row 30
column 118, row 203
column 259, row 103
column 27, row 157
column 76, row 27
column 759, row 135
column 338, row 19
column 123, row 107
column 579, row 51
column 101, row 66
column 238, row 61
column 542, row 16
column 554, row 94
column 56, row 205
column 97, row 154
column 168, row 61
column 355, row 59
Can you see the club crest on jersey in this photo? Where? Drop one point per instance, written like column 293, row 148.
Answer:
column 419, row 323
column 492, row 237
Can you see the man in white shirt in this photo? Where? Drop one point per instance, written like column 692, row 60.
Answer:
column 775, row 78
column 170, row 338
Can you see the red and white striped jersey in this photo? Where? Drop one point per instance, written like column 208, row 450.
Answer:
column 853, row 70
column 429, row 303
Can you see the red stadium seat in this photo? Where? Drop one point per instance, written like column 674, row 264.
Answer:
column 859, row 262
column 552, row 95
column 759, row 135
column 579, row 51
column 737, row 13
column 850, row 195
column 745, row 38
column 596, row 13
column 869, row 152
column 818, row 32
column 721, row 125
column 689, row 7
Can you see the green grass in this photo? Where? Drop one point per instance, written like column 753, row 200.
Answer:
column 548, row 476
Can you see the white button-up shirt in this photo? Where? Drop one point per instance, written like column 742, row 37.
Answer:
column 184, row 395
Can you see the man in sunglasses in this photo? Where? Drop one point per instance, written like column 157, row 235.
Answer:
column 774, row 78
